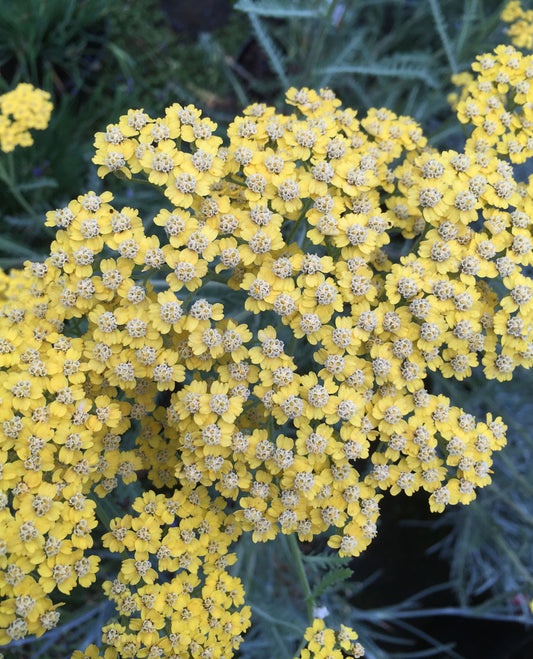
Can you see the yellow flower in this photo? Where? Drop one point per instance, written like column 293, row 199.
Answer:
column 186, row 181
column 458, row 364
column 230, row 257
column 218, row 404
column 234, row 340
column 319, row 638
column 22, row 392
column 188, row 270
column 320, row 401
column 133, row 571
column 90, row 652
column 113, row 157
column 166, row 314
column 323, row 299
column 261, row 243
column 461, row 491
column 160, row 162
column 318, row 445
column 289, row 194
column 274, row 421
column 143, row 537
column 22, row 109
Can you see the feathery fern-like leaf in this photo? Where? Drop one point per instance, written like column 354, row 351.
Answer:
column 344, row 55
column 267, row 44
column 470, row 13
column 325, row 560
column 441, row 29
column 406, row 66
column 330, row 579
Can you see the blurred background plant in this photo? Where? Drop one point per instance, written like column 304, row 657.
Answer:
column 97, row 59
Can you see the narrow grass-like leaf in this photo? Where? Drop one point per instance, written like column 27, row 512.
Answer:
column 269, row 617
column 36, row 184
column 8, row 246
column 437, row 649
column 280, row 9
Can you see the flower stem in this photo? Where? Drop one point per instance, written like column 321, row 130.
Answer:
column 11, row 183
column 306, row 207
column 297, row 555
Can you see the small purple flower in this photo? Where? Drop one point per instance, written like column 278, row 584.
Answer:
column 38, row 171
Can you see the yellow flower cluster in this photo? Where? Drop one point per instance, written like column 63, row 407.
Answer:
column 260, row 356
column 324, row 643
column 21, row 110
column 496, row 105
column 521, row 24
column 62, row 435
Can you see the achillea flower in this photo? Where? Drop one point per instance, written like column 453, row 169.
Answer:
column 257, row 350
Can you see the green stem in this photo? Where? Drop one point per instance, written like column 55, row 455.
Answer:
column 10, row 166
column 295, row 550
column 414, row 247
column 74, row 326
column 292, row 346
column 306, row 207
column 444, row 130
column 212, row 276
column 104, row 514
column 465, row 131
column 13, row 188
column 189, row 297
column 121, row 176
column 270, row 427
column 145, row 276
column 236, row 181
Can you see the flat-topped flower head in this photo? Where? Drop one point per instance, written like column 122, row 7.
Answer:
column 255, row 347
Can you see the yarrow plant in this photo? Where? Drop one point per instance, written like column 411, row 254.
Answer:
column 268, row 346
column 22, row 109
column 521, row 24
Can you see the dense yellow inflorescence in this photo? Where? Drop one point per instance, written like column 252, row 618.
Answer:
column 521, row 24
column 22, row 109
column 325, row 643
column 260, row 355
